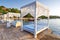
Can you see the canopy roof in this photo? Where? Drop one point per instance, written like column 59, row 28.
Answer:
column 35, row 8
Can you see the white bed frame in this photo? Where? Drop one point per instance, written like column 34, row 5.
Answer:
column 26, row 7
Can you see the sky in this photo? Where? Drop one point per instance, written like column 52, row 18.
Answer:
column 53, row 5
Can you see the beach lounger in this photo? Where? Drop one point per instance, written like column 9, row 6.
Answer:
column 16, row 23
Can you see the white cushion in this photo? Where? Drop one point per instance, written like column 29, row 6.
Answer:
column 8, row 24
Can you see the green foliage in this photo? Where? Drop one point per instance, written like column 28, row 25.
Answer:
column 28, row 16
column 9, row 9
column 43, row 17
column 1, row 9
column 14, row 17
column 4, row 10
column 15, row 10
column 2, row 6
column 54, row 17
column 20, row 11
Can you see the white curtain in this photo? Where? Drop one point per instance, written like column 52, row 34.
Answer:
column 27, row 10
column 24, row 12
column 32, row 13
column 35, row 12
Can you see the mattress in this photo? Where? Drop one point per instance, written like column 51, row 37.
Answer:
column 30, row 27
column 14, row 22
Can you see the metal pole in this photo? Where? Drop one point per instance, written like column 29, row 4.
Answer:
column 35, row 27
column 35, row 35
column 48, row 19
column 21, row 25
column 21, row 22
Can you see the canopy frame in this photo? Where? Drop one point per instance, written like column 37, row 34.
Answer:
column 35, row 18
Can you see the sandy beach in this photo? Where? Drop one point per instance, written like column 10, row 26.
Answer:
column 14, row 33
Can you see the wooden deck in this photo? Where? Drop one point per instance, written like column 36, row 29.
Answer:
column 14, row 33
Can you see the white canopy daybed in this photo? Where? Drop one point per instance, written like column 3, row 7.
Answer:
column 36, row 9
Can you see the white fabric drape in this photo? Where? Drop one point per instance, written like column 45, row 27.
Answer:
column 23, row 12
column 37, row 9
column 27, row 10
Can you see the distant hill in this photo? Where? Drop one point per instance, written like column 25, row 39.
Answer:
column 5, row 10
column 51, row 17
column 42, row 17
